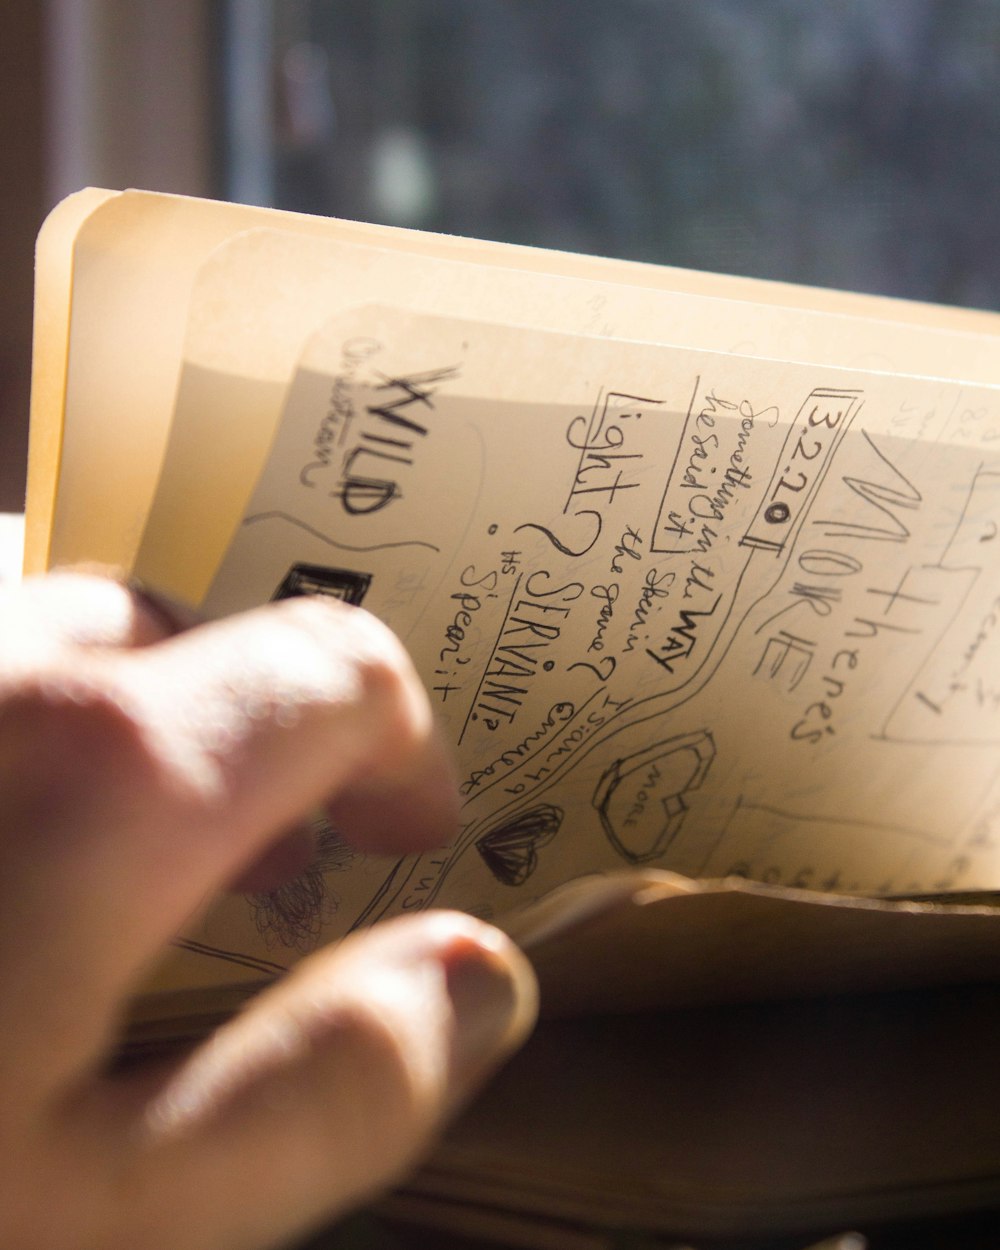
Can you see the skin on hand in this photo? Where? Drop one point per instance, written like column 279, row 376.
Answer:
column 146, row 763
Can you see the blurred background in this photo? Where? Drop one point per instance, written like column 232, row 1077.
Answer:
column 850, row 143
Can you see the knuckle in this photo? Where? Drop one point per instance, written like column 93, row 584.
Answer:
column 69, row 728
column 384, row 671
column 397, row 716
column 386, row 1077
column 315, row 614
column 365, row 651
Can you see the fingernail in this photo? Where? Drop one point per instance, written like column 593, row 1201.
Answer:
column 494, row 998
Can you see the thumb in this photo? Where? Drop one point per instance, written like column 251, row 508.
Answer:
column 328, row 1088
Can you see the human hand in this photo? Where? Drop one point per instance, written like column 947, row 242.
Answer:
column 145, row 766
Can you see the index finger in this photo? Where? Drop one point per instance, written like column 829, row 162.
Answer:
column 85, row 607
column 177, row 763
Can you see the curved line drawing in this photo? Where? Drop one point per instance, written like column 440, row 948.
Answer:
column 510, row 850
column 840, row 822
column 640, row 799
column 385, row 895
column 293, row 915
column 332, row 542
column 232, row 957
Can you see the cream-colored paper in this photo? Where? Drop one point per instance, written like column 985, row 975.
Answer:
column 260, row 296
column 187, row 328
column 674, row 608
column 135, row 256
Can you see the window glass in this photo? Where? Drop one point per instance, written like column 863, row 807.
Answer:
column 847, row 143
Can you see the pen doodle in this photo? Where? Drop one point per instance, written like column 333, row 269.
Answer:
column 383, row 436
column 641, row 799
column 275, row 515
column 531, row 627
column 953, row 696
column 510, row 850
column 240, row 958
column 293, row 915
column 600, row 470
column 643, row 611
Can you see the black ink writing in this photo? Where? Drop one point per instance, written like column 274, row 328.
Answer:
column 385, row 444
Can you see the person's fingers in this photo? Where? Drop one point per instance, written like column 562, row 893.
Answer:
column 205, row 746
column 327, row 1088
column 89, row 607
column 300, row 705
column 77, row 607
column 280, row 862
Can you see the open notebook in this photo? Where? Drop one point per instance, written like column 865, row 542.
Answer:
column 701, row 573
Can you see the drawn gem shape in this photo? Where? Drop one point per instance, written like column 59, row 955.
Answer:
column 510, row 850
column 641, row 798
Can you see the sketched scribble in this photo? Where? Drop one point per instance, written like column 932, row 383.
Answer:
column 294, row 914
column 510, row 850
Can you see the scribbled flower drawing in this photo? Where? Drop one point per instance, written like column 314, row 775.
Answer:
column 293, row 915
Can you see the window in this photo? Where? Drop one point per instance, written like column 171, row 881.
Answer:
column 837, row 142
